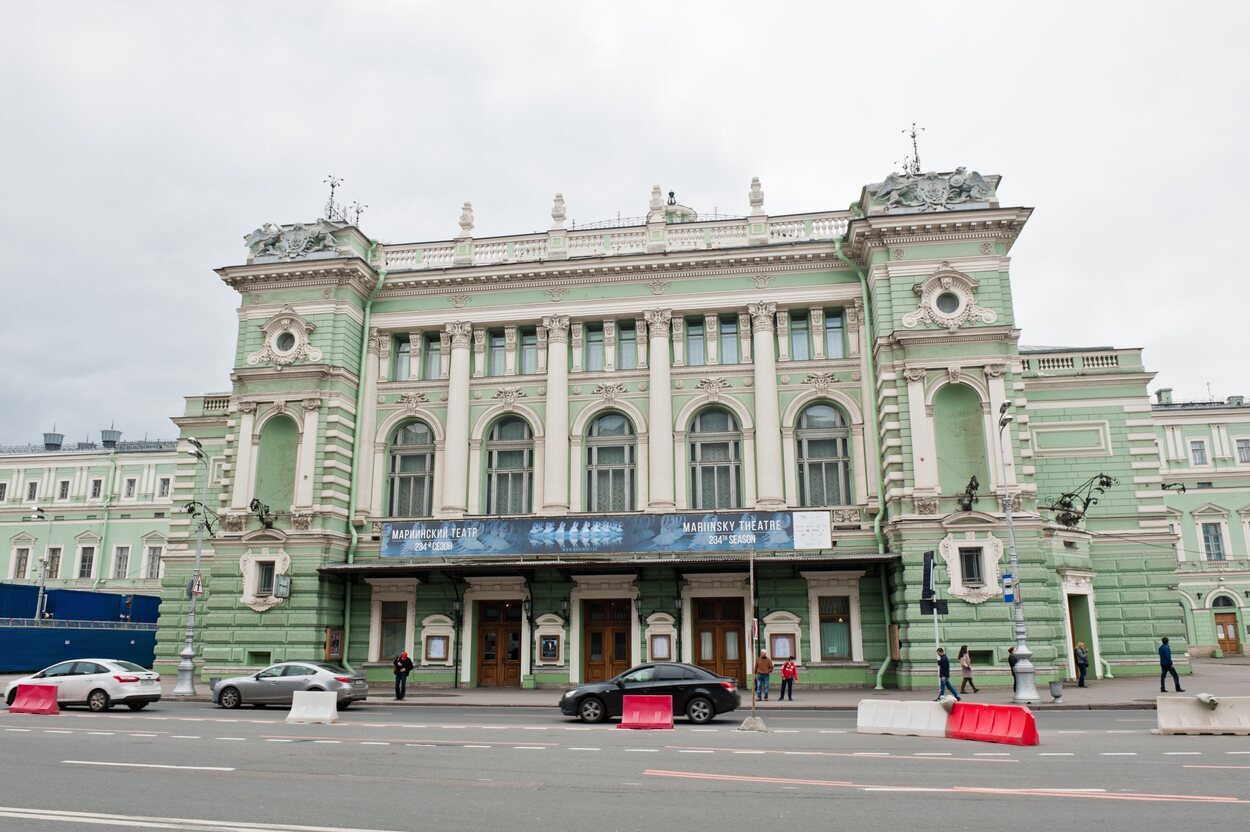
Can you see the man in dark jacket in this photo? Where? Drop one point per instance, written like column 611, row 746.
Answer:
column 403, row 666
column 1166, row 667
column 1082, row 663
column 944, row 674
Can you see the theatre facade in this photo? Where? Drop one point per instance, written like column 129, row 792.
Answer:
column 539, row 459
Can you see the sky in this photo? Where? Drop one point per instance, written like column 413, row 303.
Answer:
column 142, row 141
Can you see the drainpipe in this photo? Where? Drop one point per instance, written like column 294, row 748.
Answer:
column 356, row 446
column 874, row 426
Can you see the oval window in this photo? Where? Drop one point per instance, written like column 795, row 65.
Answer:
column 285, row 342
column 947, row 302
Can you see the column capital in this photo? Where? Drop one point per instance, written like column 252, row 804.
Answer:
column 658, row 321
column 762, row 316
column 557, row 328
column 374, row 338
column 459, row 332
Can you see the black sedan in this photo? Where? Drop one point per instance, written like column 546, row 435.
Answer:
column 698, row 694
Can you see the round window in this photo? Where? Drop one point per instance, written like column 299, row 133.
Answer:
column 947, row 302
column 285, row 342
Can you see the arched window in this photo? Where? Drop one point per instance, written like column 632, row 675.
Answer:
column 275, row 463
column 715, row 460
column 823, row 440
column 509, row 467
column 411, row 471
column 610, row 459
column 1223, row 601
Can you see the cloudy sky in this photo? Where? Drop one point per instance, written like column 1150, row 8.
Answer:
column 141, row 141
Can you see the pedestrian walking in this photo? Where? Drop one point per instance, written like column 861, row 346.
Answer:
column 965, row 670
column 1012, row 658
column 1166, row 667
column 1082, row 663
column 944, row 675
column 403, row 666
column 789, row 672
column 763, row 667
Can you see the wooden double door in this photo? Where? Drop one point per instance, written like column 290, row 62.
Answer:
column 719, row 624
column 1226, row 633
column 605, row 625
column 499, row 644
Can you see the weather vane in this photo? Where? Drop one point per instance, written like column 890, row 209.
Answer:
column 332, row 210
column 912, row 165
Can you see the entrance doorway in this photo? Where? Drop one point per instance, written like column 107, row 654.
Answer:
column 499, row 644
column 1226, row 629
column 718, row 626
column 606, row 627
column 1081, row 629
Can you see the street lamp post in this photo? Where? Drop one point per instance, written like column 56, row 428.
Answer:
column 43, row 563
column 1026, row 674
column 185, row 685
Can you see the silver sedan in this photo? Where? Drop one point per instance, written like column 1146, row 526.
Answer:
column 277, row 684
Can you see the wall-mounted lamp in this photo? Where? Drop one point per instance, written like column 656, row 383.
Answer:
column 528, row 606
column 638, row 605
column 677, row 602
column 564, row 607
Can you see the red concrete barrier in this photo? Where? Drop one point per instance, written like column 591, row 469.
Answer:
column 1010, row 724
column 647, row 712
column 35, row 699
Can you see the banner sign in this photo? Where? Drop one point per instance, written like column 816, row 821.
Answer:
column 775, row 531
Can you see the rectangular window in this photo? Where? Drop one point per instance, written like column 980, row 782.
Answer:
column 131, row 482
column 162, row 487
column 835, row 334
column 394, row 622
column 529, row 351
column 1213, row 541
column 153, row 570
column 401, row 358
column 800, row 340
column 728, row 344
column 626, row 346
column 431, row 357
column 4, row 491
column 1198, row 452
column 594, row 347
column 86, row 563
column 696, row 354
column 835, row 627
column 121, row 561
column 495, row 345
column 970, row 566
column 54, row 562
column 97, row 486
column 21, row 562
column 264, row 577
column 1243, row 456
column 62, row 490
column 32, row 490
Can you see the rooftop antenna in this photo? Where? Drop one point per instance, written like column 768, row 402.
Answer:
column 912, row 165
column 332, row 210
column 1209, row 398
column 356, row 209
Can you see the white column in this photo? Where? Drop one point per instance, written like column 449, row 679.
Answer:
column 305, row 479
column 998, row 394
column 771, row 490
column 923, row 438
column 365, row 421
column 243, row 451
column 556, row 429
column 456, row 456
column 660, row 399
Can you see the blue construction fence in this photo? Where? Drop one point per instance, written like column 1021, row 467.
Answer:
column 82, row 625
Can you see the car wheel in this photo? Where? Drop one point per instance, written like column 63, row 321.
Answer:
column 12, row 695
column 136, row 706
column 98, row 700
column 700, row 710
column 343, row 706
column 229, row 698
column 592, row 709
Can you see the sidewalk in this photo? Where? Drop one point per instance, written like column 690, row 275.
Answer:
column 1220, row 677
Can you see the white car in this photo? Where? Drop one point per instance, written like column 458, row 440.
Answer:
column 97, row 683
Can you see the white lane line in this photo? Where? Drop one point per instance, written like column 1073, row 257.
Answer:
column 1069, row 732
column 694, row 751
column 584, row 749
column 420, row 745
column 1237, row 752
column 142, row 735
column 142, row 821
column 231, row 739
column 649, row 750
column 1182, row 753
column 19, row 730
column 56, row 731
column 328, row 742
column 100, row 734
column 184, row 737
column 370, row 742
column 414, row 726
column 495, row 727
column 750, row 752
column 785, row 731
column 900, row 789
column 991, row 754
column 861, row 753
column 529, row 748
column 1124, row 731
column 1117, row 754
column 277, row 740
column 804, row 753
column 533, row 728
column 143, row 765
column 1077, row 791
column 477, row 746
column 1055, row 754
column 833, row 731
column 932, row 754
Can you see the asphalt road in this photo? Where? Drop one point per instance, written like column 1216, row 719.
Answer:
column 191, row 766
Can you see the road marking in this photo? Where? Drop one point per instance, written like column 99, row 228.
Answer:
column 56, row 731
column 705, row 730
column 328, row 742
column 529, row 748
column 695, row 751
column 933, row 753
column 584, row 749
column 143, row 765
column 900, row 789
column 183, row 737
column 1070, row 732
column 1123, row 731
column 1117, row 754
column 231, row 739
column 420, row 745
column 785, row 731
column 833, row 731
column 1055, row 754
column 141, row 735
column 19, row 730
column 991, row 754
column 534, row 728
column 1237, row 752
column 1189, row 765
column 750, row 752
column 99, row 733
column 478, row 746
column 645, row 750
column 142, row 821
column 867, row 754
column 1182, row 753
column 370, row 742
column 278, row 740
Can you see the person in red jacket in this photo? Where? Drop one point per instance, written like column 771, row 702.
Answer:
column 789, row 672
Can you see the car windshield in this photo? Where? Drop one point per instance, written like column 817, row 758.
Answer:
column 124, row 665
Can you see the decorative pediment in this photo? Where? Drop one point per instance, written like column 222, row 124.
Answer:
column 1210, row 508
column 86, row 538
column 947, row 299
column 287, row 340
column 969, row 519
column 264, row 536
column 22, row 539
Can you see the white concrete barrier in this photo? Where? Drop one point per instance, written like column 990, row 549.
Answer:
column 908, row 719
column 314, row 706
column 1186, row 715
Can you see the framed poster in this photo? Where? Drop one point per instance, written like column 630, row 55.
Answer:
column 661, row 648
column 334, row 644
column 783, row 646
column 549, row 648
column 436, row 648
